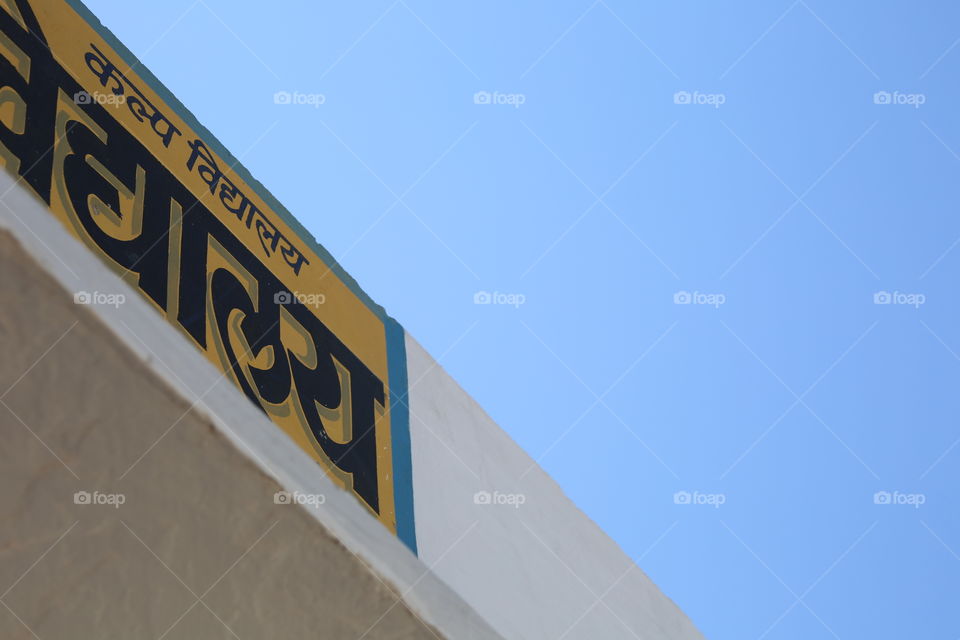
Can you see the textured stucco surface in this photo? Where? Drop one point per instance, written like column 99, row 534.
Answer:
column 198, row 549
column 96, row 398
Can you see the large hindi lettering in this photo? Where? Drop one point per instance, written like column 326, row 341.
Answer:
column 169, row 216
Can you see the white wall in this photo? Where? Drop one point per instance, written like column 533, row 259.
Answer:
column 530, row 572
column 537, row 570
column 260, row 453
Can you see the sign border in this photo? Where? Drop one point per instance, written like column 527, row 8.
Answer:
column 394, row 332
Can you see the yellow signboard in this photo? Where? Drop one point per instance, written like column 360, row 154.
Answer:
column 131, row 174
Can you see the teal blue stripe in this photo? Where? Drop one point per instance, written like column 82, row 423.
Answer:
column 394, row 334
column 400, row 430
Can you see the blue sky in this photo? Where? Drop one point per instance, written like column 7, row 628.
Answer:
column 780, row 162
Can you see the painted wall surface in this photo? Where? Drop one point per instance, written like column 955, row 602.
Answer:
column 505, row 522
column 194, row 501
column 171, row 529
column 137, row 180
column 115, row 511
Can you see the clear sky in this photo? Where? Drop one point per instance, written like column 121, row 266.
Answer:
column 783, row 162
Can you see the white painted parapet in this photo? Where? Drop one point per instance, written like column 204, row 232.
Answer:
column 496, row 528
